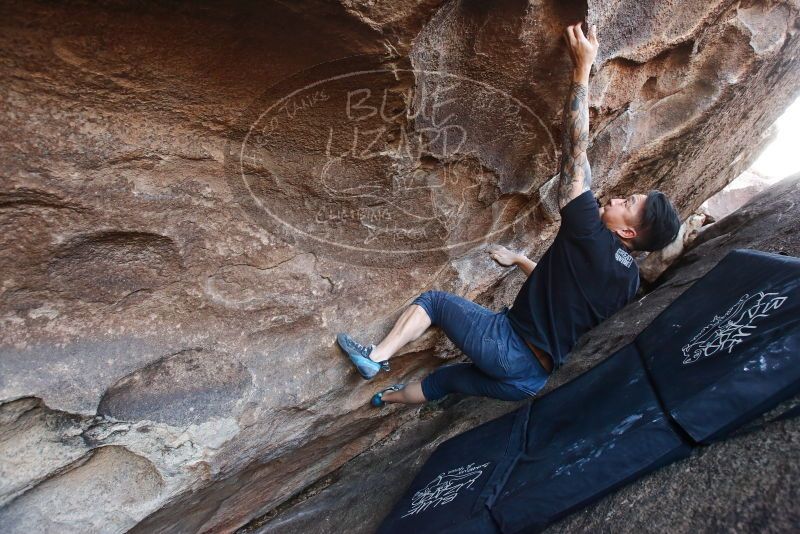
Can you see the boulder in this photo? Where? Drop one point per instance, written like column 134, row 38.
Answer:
column 195, row 198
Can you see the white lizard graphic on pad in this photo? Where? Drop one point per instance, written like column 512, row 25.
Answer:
column 726, row 331
column 445, row 487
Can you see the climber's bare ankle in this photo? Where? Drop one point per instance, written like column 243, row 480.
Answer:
column 377, row 355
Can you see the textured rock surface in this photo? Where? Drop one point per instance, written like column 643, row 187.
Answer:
column 745, row 484
column 132, row 258
column 735, row 195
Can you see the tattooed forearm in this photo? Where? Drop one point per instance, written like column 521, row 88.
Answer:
column 576, row 175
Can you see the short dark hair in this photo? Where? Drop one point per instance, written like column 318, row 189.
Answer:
column 659, row 224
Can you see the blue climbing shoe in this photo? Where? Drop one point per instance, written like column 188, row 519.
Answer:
column 377, row 399
column 359, row 355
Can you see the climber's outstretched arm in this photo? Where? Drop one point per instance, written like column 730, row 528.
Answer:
column 576, row 175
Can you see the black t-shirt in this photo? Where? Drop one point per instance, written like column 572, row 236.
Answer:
column 585, row 276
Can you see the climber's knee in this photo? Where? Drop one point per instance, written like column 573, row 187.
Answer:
column 427, row 301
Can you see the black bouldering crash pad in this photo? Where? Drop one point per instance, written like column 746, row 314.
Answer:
column 728, row 348
column 447, row 493
column 546, row 459
column 585, row 439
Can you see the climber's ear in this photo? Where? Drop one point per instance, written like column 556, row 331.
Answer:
column 627, row 232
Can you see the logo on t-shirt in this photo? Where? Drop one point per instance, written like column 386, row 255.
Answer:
column 623, row 257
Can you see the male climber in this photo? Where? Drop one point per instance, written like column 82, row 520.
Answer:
column 585, row 276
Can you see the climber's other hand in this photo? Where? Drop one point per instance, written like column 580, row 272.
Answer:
column 502, row 255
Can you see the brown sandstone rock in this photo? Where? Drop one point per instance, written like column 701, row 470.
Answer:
column 736, row 194
column 155, row 229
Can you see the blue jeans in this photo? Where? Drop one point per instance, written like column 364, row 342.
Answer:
column 503, row 366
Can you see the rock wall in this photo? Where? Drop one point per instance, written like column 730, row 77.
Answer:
column 195, row 197
column 736, row 194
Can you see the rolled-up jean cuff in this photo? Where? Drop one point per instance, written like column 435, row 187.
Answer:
column 429, row 389
column 425, row 301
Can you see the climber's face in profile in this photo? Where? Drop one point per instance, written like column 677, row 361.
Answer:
column 623, row 215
